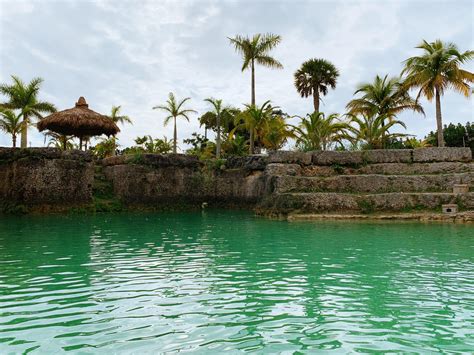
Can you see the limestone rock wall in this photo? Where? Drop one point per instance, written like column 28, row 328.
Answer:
column 367, row 181
column 45, row 179
column 151, row 179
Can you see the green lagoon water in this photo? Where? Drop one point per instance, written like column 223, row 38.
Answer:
column 219, row 282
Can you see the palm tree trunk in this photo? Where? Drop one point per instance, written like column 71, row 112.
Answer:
column 175, row 136
column 316, row 100
column 14, row 140
column 218, row 139
column 253, row 83
column 205, row 131
column 24, row 132
column 80, row 143
column 439, row 120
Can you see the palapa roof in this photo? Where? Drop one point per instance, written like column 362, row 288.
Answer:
column 79, row 121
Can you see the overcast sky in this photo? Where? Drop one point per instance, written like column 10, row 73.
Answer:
column 133, row 53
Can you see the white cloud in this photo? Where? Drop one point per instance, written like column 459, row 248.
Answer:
column 133, row 53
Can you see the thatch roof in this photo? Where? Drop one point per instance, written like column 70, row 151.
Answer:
column 79, row 121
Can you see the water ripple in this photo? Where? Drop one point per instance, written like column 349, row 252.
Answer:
column 228, row 282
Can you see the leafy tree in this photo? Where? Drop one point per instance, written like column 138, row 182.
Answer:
column 59, row 141
column 10, row 123
column 384, row 96
column 235, row 145
column 256, row 50
column 105, row 148
column 315, row 77
column 218, row 111
column 175, row 109
column 201, row 146
column 24, row 97
column 371, row 130
column 437, row 70
column 318, row 132
column 147, row 144
column 276, row 133
column 253, row 120
column 455, row 135
column 118, row 118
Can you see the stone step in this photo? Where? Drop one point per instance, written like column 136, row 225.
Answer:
column 381, row 169
column 372, row 183
column 366, row 203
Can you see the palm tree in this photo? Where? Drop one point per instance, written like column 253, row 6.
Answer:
column 10, row 123
column 315, row 77
column 318, row 132
column 24, row 97
column 276, row 133
column 59, row 141
column 384, row 96
column 207, row 120
column 118, row 118
column 371, row 130
column 253, row 120
column 436, row 70
column 256, row 50
column 218, row 112
column 175, row 110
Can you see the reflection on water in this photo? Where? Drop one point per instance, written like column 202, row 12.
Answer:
column 218, row 282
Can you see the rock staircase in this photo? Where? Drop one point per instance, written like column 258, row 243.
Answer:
column 382, row 181
column 103, row 192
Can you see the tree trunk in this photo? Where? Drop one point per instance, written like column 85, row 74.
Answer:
column 253, row 83
column 439, row 120
column 316, row 99
column 80, row 143
column 251, row 141
column 205, row 131
column 175, row 137
column 64, row 142
column 218, row 139
column 14, row 140
column 24, row 132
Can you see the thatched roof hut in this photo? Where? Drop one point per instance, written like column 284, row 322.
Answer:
column 79, row 121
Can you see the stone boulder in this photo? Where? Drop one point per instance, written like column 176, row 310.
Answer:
column 289, row 157
column 337, row 158
column 446, row 154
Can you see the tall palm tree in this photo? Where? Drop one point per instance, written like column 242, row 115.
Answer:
column 118, row 118
column 437, row 70
column 384, row 96
column 371, row 130
column 218, row 111
column 174, row 109
column 256, row 50
column 253, row 120
column 318, row 132
column 24, row 97
column 10, row 123
column 315, row 77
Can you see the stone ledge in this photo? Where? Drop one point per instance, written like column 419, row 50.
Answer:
column 387, row 156
column 290, row 157
column 251, row 162
column 159, row 160
column 461, row 217
column 12, row 154
column 447, row 154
